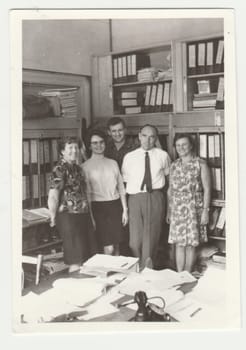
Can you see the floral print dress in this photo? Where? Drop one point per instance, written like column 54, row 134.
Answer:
column 70, row 180
column 186, row 203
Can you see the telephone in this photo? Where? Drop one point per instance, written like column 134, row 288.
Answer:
column 148, row 312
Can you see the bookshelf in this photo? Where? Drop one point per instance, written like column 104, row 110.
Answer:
column 134, row 82
column 204, row 74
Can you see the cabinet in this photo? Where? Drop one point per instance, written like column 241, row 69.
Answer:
column 177, row 86
column 54, row 105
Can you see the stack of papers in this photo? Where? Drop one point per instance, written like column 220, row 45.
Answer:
column 36, row 215
column 101, row 265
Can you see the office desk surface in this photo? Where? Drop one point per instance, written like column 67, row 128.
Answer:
column 122, row 315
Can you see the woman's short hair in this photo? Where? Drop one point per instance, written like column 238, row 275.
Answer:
column 184, row 136
column 67, row 140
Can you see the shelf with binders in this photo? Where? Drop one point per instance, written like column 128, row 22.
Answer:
column 142, row 81
column 39, row 157
column 205, row 74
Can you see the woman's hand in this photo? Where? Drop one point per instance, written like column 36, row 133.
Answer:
column 125, row 217
column 52, row 221
column 168, row 216
column 205, row 217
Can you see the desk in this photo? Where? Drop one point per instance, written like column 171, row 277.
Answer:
column 122, row 314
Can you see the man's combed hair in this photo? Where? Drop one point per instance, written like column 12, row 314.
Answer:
column 114, row 121
column 150, row 126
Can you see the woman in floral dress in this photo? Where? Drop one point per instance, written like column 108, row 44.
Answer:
column 189, row 197
column 68, row 204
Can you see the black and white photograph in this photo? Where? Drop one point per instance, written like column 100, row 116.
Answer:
column 125, row 194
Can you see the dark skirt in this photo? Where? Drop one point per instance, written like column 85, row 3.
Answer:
column 75, row 230
column 108, row 218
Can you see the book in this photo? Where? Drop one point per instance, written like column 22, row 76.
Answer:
column 219, row 65
column 203, row 146
column 133, row 110
column 128, row 102
column 129, row 94
column 166, row 97
column 220, row 94
column 221, row 220
column 115, row 68
column 209, row 57
column 201, row 58
column 203, row 87
column 147, row 98
column 159, row 97
column 219, row 257
column 213, row 218
column 153, row 98
column 191, row 59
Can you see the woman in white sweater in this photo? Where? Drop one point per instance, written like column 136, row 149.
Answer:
column 107, row 195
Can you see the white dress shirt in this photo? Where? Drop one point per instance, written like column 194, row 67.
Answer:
column 133, row 169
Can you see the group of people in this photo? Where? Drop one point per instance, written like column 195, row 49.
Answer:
column 126, row 183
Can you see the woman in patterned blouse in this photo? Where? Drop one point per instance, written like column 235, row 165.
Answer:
column 188, row 202
column 68, row 204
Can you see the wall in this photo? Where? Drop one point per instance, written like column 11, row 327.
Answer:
column 64, row 45
column 132, row 33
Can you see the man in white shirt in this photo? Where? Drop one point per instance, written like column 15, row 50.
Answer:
column 144, row 171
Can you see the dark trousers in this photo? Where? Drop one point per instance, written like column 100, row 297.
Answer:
column 146, row 213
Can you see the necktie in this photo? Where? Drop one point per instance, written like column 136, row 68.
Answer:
column 147, row 174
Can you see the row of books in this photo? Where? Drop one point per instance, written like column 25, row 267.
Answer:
column 156, row 98
column 217, row 222
column 205, row 99
column 210, row 148
column 125, row 67
column 39, row 157
column 63, row 101
column 205, row 57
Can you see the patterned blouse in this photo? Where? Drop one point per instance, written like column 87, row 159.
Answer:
column 69, row 179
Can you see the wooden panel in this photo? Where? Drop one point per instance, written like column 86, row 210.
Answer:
column 102, row 87
column 195, row 119
column 44, row 133
column 51, row 123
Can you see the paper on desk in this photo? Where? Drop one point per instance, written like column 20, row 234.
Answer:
column 98, row 310
column 150, row 279
column 111, row 262
column 185, row 309
column 79, row 291
column 172, row 278
column 44, row 307
column 211, row 287
column 211, row 293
